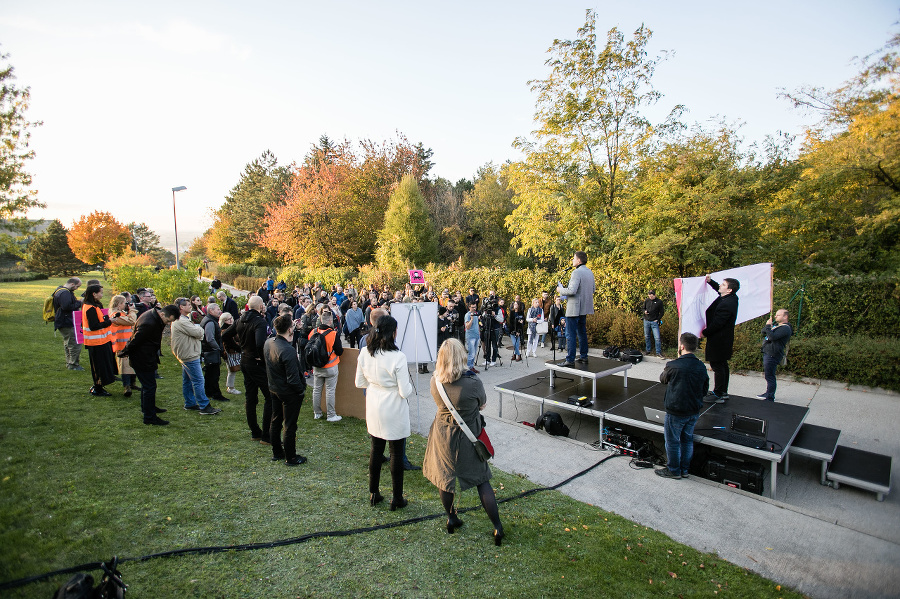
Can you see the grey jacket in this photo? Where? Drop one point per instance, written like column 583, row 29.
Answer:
column 580, row 292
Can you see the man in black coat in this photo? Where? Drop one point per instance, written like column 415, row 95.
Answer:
column 143, row 354
column 287, row 387
column 228, row 305
column 719, row 332
column 250, row 332
column 687, row 383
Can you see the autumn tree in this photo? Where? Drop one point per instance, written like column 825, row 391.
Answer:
column 691, row 208
column 591, row 131
column 49, row 253
column 407, row 238
column 843, row 213
column 97, row 237
column 337, row 201
column 235, row 234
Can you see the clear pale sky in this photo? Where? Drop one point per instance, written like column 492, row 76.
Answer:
column 137, row 98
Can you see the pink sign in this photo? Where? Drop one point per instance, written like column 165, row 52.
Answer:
column 416, row 277
column 76, row 320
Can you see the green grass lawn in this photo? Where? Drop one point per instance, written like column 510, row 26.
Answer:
column 82, row 479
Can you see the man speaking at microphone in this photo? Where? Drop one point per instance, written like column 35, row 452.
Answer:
column 579, row 295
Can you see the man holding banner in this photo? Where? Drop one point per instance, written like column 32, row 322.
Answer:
column 721, row 316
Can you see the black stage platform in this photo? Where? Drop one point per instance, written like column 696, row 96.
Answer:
column 625, row 405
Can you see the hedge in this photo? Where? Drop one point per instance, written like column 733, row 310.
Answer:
column 18, row 277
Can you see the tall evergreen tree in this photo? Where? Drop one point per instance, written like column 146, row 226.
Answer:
column 49, row 253
column 241, row 219
column 407, row 238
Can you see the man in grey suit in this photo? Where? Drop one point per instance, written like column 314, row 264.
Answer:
column 579, row 303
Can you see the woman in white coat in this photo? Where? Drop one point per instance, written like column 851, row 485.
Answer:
column 382, row 371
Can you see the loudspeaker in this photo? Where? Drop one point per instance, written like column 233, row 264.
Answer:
column 736, row 473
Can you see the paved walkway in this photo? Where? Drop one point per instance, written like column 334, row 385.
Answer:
column 821, row 541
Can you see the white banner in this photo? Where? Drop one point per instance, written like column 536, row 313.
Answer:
column 694, row 296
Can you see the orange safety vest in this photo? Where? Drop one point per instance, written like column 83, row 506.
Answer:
column 329, row 344
column 120, row 334
column 93, row 338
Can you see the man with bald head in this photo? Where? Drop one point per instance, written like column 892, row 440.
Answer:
column 250, row 333
column 775, row 339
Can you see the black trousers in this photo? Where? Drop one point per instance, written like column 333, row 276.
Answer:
column 375, row 461
column 285, row 411
column 354, row 336
column 721, row 375
column 255, row 380
column 148, row 393
column 490, row 338
column 211, row 379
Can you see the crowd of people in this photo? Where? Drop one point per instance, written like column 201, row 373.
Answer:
column 280, row 339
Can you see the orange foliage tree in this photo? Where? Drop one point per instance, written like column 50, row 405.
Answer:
column 98, row 237
column 336, row 203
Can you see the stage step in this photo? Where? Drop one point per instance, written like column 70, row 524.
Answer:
column 861, row 469
column 816, row 442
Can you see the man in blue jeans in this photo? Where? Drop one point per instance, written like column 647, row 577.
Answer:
column 186, row 346
column 653, row 313
column 687, row 382
column 579, row 296
column 775, row 339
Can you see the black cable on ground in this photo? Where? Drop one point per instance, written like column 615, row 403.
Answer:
column 284, row 542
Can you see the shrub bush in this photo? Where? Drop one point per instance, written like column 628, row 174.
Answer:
column 168, row 284
column 247, row 283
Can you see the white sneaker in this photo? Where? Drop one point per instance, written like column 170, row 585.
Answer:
column 317, row 416
column 493, row 363
column 233, row 391
column 542, row 345
column 334, row 418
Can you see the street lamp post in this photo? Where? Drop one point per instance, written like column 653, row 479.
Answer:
column 175, row 216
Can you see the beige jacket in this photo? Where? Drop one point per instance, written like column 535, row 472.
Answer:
column 186, row 338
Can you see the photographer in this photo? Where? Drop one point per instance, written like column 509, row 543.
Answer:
column 492, row 320
column 454, row 320
column 472, row 327
column 517, row 329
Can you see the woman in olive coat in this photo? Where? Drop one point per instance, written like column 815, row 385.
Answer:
column 449, row 455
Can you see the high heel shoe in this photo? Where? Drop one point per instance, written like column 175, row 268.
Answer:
column 453, row 522
column 397, row 504
column 498, row 536
column 375, row 499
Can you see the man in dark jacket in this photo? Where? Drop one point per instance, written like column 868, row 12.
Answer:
column 653, row 313
column 287, row 386
column 776, row 337
column 143, row 354
column 687, row 384
column 228, row 305
column 65, row 302
column 719, row 332
column 250, row 332
column 213, row 352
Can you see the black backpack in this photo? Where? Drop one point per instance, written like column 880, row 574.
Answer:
column 631, row 355
column 81, row 586
column 611, row 352
column 316, row 351
column 553, row 423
